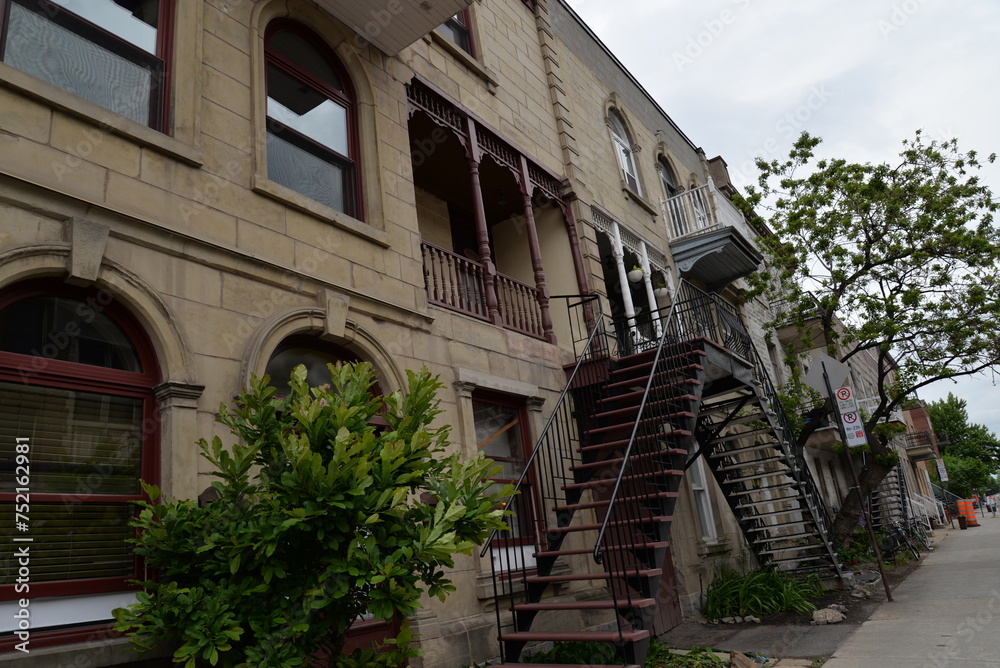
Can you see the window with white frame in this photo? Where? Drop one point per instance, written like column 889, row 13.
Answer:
column 668, row 178
column 623, row 149
column 702, row 500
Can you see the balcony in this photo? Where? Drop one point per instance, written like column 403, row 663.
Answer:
column 459, row 284
column 869, row 404
column 392, row 25
column 919, row 446
column 710, row 238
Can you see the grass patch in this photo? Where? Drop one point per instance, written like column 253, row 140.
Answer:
column 760, row 593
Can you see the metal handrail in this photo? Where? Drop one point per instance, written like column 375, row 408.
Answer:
column 584, row 299
column 665, row 324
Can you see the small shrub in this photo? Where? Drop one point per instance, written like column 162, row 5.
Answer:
column 760, row 593
column 317, row 520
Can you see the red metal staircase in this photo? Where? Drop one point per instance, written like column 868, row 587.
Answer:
column 605, row 473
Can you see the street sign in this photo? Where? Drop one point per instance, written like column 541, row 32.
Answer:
column 837, row 371
column 854, row 429
column 942, row 471
column 846, row 403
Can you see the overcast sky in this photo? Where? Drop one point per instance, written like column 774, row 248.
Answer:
column 742, row 78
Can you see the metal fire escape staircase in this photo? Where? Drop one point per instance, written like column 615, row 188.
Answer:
column 601, row 484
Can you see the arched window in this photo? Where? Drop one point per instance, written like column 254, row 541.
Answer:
column 312, row 142
column 623, row 148
column 78, row 431
column 668, row 178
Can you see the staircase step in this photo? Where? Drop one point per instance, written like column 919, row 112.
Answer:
column 640, row 439
column 601, row 503
column 750, row 462
column 597, row 482
column 574, row 636
column 623, row 426
column 555, row 554
column 615, row 462
column 758, row 490
column 640, row 382
column 775, row 513
column 579, row 577
column 657, row 404
column 742, row 451
column 759, row 476
column 810, row 557
column 652, row 519
column 744, row 434
column 620, row 604
column 790, row 536
column 777, row 499
column 684, row 348
column 637, row 394
column 778, row 526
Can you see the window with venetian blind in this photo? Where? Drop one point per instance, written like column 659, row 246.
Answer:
column 76, row 379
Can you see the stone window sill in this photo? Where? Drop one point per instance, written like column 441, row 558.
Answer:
column 468, row 61
column 103, row 119
column 287, row 196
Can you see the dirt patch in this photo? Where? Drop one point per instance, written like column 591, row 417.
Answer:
column 858, row 609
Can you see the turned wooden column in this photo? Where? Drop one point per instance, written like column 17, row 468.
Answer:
column 536, row 254
column 482, row 233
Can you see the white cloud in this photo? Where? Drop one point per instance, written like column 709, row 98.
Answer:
column 889, row 66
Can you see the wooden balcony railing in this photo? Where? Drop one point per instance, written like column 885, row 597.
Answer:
column 453, row 281
column 457, row 283
column 519, row 306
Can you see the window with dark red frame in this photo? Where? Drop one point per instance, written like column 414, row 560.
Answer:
column 312, row 143
column 503, row 435
column 76, row 379
column 458, row 29
column 114, row 53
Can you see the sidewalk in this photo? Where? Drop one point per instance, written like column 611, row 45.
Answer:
column 945, row 614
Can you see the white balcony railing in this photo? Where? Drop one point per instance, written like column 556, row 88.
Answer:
column 688, row 213
column 701, row 210
column 869, row 404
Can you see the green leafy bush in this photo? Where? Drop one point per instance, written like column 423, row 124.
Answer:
column 317, row 521
column 759, row 593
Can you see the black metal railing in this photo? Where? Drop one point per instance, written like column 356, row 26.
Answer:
column 695, row 314
column 514, row 553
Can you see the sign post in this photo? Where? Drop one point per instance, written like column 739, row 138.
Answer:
column 844, row 396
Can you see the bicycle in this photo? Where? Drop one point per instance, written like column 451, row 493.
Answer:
column 918, row 532
column 895, row 539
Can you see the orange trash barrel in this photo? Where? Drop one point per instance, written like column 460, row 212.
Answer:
column 966, row 509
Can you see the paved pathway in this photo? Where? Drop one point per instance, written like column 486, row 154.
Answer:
column 946, row 614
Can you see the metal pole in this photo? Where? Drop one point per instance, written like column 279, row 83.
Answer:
column 857, row 484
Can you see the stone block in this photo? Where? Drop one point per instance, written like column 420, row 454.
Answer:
column 86, row 141
column 22, row 117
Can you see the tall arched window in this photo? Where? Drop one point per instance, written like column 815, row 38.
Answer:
column 78, row 431
column 623, row 148
column 668, row 178
column 312, row 142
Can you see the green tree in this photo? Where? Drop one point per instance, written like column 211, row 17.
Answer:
column 967, row 476
column 317, row 521
column 950, row 418
column 905, row 253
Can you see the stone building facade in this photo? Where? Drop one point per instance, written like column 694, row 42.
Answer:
column 192, row 192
